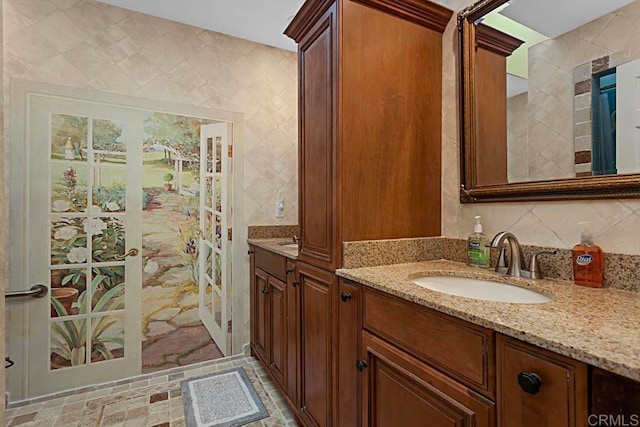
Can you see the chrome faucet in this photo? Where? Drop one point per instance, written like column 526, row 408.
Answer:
column 514, row 267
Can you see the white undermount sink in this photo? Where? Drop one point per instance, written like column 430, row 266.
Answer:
column 481, row 289
column 290, row 245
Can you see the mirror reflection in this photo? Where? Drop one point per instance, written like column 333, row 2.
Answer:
column 562, row 77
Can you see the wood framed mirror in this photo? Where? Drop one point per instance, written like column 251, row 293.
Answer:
column 550, row 100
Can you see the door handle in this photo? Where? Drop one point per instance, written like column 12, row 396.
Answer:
column 131, row 252
column 36, row 291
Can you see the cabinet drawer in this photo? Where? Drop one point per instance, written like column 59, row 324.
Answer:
column 272, row 263
column 399, row 390
column 556, row 396
column 462, row 350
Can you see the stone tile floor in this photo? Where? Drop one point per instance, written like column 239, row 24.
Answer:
column 154, row 401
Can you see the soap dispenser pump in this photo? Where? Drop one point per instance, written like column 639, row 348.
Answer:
column 588, row 260
column 478, row 246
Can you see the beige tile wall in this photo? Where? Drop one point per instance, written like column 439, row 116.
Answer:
column 86, row 44
column 615, row 222
column 517, row 138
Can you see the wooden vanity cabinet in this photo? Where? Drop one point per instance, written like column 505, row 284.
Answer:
column 260, row 313
column 370, row 80
column 460, row 349
column 417, row 364
column 370, row 90
column 317, row 337
column 614, row 395
column 273, row 324
column 400, row 390
column 539, row 388
column 349, row 355
column 293, row 333
column 347, row 396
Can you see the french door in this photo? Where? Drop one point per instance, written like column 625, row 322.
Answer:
column 215, row 226
column 83, row 200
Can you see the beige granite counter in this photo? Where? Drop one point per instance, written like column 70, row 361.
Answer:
column 276, row 245
column 598, row 326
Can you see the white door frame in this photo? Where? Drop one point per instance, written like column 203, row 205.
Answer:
column 15, row 149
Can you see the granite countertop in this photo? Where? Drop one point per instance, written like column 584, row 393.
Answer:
column 276, row 245
column 600, row 327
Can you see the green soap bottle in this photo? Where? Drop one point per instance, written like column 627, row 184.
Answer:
column 478, row 247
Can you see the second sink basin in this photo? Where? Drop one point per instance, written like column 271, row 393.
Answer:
column 481, row 289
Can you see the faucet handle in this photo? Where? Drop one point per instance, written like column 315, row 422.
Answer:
column 534, row 268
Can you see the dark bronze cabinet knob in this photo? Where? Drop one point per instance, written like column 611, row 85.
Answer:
column 346, row 296
column 529, row 382
column 265, row 291
column 360, row 365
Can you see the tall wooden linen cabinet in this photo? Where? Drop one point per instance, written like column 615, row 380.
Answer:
column 370, row 91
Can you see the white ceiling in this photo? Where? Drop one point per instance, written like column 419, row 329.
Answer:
column 262, row 21
column 554, row 18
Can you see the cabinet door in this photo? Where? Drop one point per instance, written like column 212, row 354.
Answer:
column 613, row 394
column 316, row 287
column 293, row 333
column 349, row 332
column 319, row 240
column 557, row 398
column 399, row 390
column 260, row 314
column 277, row 329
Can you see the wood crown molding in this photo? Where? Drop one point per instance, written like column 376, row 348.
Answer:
column 496, row 41
column 310, row 11
column 421, row 12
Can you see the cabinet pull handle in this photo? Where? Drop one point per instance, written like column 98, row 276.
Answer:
column 346, row 296
column 529, row 382
column 250, row 251
column 288, row 270
column 360, row 365
column 295, row 283
column 265, row 291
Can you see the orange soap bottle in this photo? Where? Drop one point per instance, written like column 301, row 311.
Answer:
column 588, row 261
